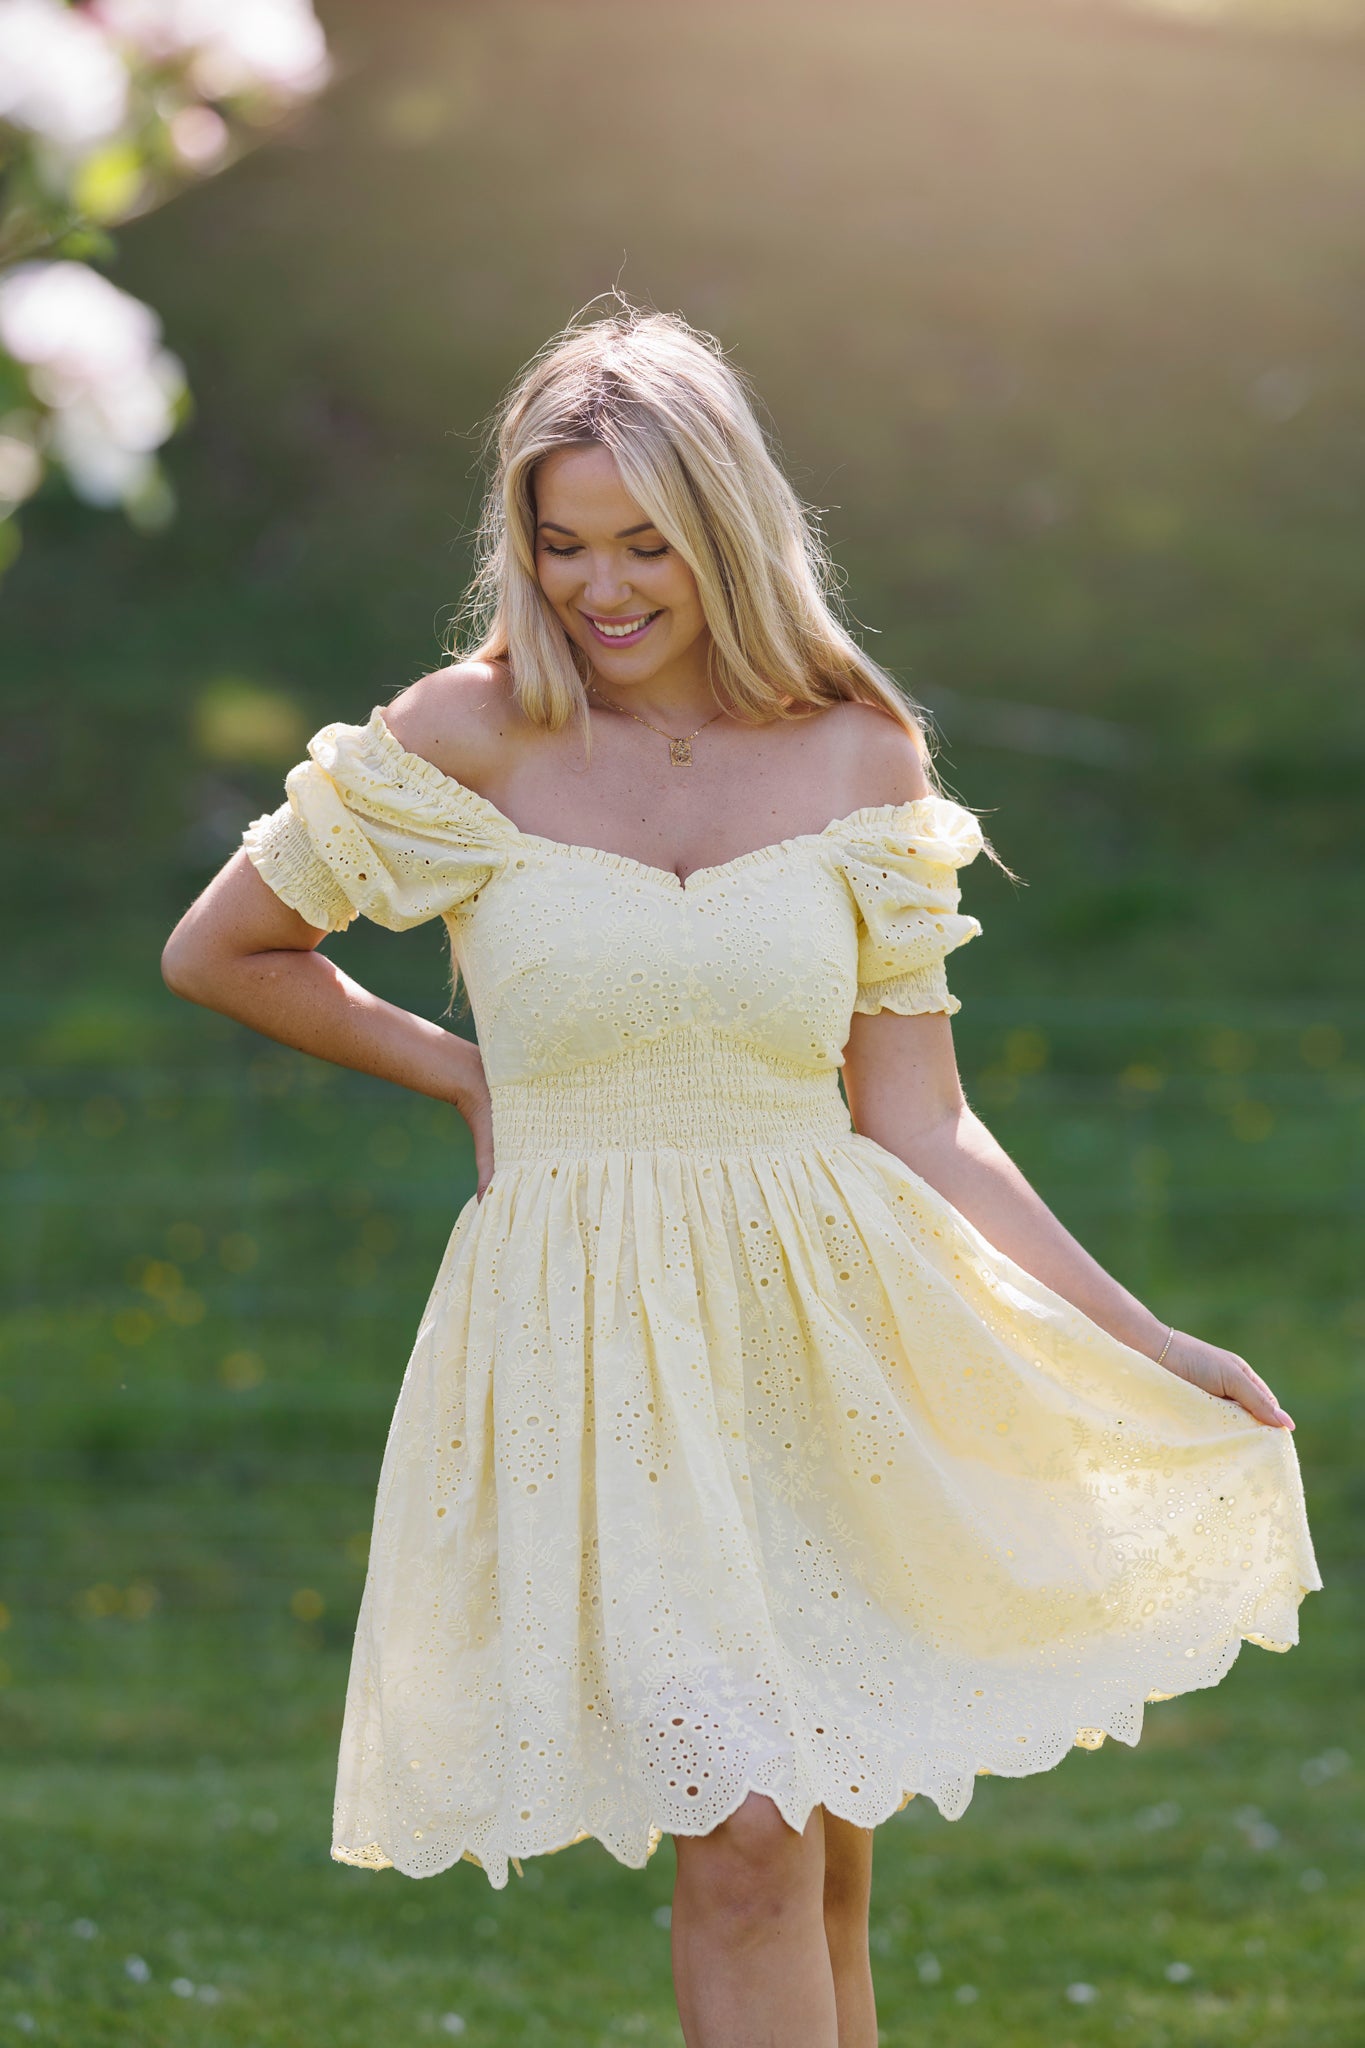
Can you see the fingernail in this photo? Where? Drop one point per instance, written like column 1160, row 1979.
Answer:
column 1287, row 1420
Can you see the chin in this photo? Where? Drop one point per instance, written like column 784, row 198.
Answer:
column 630, row 664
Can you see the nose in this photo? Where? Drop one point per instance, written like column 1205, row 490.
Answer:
column 607, row 586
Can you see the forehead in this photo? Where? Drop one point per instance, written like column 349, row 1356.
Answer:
column 581, row 487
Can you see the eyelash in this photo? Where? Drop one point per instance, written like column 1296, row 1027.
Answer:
column 641, row 554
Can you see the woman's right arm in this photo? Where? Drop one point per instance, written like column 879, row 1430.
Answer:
column 240, row 950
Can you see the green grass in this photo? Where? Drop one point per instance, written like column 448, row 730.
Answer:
column 1057, row 314
column 219, row 1268
column 1108, row 1872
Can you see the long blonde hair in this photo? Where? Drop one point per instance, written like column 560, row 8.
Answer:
column 659, row 395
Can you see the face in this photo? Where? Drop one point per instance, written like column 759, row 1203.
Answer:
column 620, row 591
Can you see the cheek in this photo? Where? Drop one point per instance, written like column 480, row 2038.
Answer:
column 683, row 596
column 556, row 579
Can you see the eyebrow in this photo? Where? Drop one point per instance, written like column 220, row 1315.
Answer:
column 553, row 526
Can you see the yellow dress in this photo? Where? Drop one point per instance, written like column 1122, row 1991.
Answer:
column 730, row 1456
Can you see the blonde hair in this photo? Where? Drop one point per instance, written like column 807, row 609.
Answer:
column 680, row 423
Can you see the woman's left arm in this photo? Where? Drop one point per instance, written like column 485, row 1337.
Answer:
column 905, row 1093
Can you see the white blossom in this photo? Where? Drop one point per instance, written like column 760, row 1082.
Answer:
column 232, row 46
column 60, row 77
column 199, row 137
column 93, row 357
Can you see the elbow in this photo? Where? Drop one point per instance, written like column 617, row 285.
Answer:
column 175, row 970
column 184, row 970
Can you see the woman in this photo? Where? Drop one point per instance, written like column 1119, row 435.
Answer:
column 757, row 1466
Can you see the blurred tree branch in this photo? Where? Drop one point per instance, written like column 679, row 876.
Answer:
column 107, row 109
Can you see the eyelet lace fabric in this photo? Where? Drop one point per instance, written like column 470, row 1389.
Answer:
column 730, row 1457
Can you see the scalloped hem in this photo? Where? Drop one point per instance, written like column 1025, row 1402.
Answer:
column 1123, row 1723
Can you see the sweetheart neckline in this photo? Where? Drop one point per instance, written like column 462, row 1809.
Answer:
column 441, row 784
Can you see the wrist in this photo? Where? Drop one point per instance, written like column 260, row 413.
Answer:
column 1155, row 1339
column 464, row 1071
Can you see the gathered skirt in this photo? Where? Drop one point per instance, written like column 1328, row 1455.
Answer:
column 724, row 1467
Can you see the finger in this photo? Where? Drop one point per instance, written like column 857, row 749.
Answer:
column 1255, row 1396
column 1278, row 1414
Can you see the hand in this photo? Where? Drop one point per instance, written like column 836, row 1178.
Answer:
column 1225, row 1374
column 475, row 1104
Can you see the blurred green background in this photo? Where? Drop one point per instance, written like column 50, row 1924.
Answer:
column 1058, row 311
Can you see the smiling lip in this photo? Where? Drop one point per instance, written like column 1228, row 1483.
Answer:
column 638, row 627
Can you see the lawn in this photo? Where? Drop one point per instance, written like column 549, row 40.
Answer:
column 201, row 1378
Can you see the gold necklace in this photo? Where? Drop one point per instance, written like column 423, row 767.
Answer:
column 679, row 750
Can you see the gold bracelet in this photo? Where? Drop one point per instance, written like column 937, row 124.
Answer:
column 1161, row 1355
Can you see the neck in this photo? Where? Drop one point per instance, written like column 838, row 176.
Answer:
column 679, row 696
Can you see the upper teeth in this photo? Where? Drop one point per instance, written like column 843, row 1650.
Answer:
column 620, row 632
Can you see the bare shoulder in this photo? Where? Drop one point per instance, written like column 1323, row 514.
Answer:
column 463, row 719
column 881, row 760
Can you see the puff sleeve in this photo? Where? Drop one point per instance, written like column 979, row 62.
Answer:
column 900, row 862
column 371, row 830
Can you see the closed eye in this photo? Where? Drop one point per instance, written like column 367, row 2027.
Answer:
column 641, row 554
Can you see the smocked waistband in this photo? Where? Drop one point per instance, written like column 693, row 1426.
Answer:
column 694, row 1090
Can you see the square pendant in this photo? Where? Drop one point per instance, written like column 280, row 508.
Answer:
column 680, row 753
